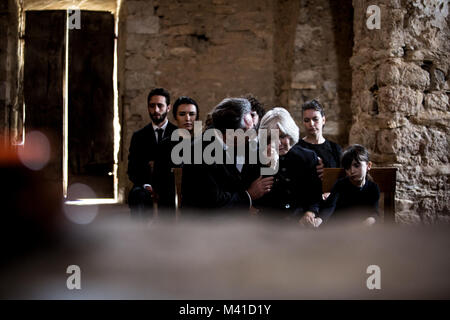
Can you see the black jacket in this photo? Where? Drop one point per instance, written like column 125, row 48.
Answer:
column 349, row 202
column 216, row 186
column 297, row 187
column 143, row 149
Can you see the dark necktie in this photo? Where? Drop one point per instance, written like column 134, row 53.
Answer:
column 160, row 134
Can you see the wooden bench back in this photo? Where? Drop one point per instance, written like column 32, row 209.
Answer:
column 385, row 178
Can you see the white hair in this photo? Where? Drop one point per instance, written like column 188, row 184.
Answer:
column 280, row 118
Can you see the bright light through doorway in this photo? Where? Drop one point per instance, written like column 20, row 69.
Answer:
column 116, row 123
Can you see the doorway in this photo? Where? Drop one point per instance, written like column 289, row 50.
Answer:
column 69, row 96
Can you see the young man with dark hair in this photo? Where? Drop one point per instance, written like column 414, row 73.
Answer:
column 147, row 169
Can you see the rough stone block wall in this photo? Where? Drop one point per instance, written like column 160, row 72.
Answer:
column 204, row 49
column 8, row 66
column 122, row 178
column 3, row 68
column 400, row 101
column 321, row 69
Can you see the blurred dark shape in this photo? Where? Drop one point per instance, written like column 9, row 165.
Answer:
column 30, row 207
column 232, row 258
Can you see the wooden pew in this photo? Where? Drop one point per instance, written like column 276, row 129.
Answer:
column 384, row 177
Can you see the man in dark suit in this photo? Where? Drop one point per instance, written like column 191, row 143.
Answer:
column 222, row 184
column 147, row 166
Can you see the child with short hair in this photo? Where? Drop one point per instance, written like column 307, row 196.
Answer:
column 355, row 197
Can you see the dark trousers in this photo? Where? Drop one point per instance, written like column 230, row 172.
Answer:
column 141, row 204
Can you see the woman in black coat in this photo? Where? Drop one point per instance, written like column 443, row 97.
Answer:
column 297, row 189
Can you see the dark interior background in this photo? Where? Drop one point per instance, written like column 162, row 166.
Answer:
column 43, row 82
column 91, row 61
column 91, row 102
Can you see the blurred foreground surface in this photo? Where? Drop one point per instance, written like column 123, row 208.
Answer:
column 243, row 258
column 231, row 259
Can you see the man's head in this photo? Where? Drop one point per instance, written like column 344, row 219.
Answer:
column 232, row 113
column 185, row 112
column 158, row 103
column 257, row 109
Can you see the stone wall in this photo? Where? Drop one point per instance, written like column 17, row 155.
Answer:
column 321, row 53
column 400, row 101
column 207, row 50
column 8, row 64
column 3, row 56
column 213, row 49
column 122, row 178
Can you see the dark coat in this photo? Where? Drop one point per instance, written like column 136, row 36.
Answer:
column 347, row 201
column 297, row 187
column 216, row 186
column 143, row 149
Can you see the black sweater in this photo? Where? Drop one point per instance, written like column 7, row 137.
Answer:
column 329, row 152
column 347, row 201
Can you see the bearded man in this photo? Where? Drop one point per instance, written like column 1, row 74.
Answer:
column 151, row 177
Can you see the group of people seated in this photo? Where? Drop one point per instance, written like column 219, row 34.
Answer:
column 246, row 160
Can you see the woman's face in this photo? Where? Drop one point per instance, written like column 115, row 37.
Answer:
column 313, row 122
column 285, row 144
column 186, row 115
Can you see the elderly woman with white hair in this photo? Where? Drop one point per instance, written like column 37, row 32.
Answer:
column 297, row 189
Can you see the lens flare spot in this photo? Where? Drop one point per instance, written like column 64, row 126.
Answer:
column 81, row 214
column 35, row 154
